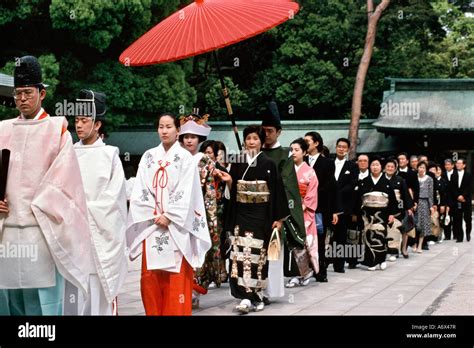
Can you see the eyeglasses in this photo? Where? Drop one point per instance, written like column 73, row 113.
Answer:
column 29, row 94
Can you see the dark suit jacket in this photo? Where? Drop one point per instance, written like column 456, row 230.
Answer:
column 411, row 179
column 451, row 200
column 441, row 191
column 327, row 188
column 464, row 189
column 346, row 183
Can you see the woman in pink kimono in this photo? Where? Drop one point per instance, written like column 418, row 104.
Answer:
column 308, row 186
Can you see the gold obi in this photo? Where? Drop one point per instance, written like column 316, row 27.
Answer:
column 375, row 200
column 252, row 191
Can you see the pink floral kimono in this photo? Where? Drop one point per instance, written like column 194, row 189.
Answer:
column 308, row 186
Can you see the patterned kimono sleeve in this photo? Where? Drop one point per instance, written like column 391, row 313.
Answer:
column 180, row 206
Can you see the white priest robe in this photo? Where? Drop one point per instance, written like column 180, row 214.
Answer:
column 47, row 206
column 104, row 185
column 168, row 183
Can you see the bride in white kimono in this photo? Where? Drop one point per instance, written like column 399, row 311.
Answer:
column 167, row 223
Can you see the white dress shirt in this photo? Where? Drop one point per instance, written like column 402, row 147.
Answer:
column 313, row 159
column 339, row 164
column 363, row 175
column 460, row 175
column 449, row 173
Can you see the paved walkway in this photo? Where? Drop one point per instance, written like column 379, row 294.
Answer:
column 439, row 281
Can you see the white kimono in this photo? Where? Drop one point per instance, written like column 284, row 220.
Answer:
column 168, row 183
column 104, row 185
column 47, row 206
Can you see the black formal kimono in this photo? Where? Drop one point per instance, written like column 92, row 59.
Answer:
column 404, row 202
column 257, row 200
column 374, row 234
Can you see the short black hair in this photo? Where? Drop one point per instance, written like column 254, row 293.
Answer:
column 345, row 140
column 255, row 129
column 363, row 154
column 403, row 154
column 449, row 160
column 326, row 153
column 432, row 164
column 316, row 138
column 102, row 129
column 303, row 144
column 200, row 137
column 391, row 160
column 422, row 163
column 376, row 158
column 462, row 159
column 175, row 119
column 212, row 144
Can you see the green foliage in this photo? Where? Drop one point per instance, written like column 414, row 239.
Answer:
column 308, row 65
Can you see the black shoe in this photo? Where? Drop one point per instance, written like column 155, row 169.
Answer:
column 322, row 279
column 352, row 266
column 459, row 241
column 468, row 238
column 425, row 247
column 405, row 255
column 266, row 301
column 340, row 270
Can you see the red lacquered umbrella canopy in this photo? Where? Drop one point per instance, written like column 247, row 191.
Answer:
column 206, row 25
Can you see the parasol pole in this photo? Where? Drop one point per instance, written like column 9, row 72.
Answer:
column 225, row 93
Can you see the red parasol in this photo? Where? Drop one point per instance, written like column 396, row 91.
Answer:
column 207, row 25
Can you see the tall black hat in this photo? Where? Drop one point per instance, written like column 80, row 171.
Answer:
column 271, row 118
column 28, row 73
column 96, row 101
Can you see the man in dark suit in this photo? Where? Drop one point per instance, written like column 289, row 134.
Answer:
column 461, row 188
column 327, row 195
column 451, row 201
column 410, row 176
column 346, row 175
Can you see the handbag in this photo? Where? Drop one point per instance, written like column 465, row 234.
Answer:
column 274, row 247
column 353, row 236
column 412, row 233
column 435, row 226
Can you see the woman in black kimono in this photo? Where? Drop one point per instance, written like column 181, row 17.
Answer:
column 257, row 205
column 404, row 205
column 377, row 204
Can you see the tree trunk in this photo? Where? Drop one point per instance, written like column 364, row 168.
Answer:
column 373, row 18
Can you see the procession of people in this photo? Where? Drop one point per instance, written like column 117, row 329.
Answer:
column 198, row 218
